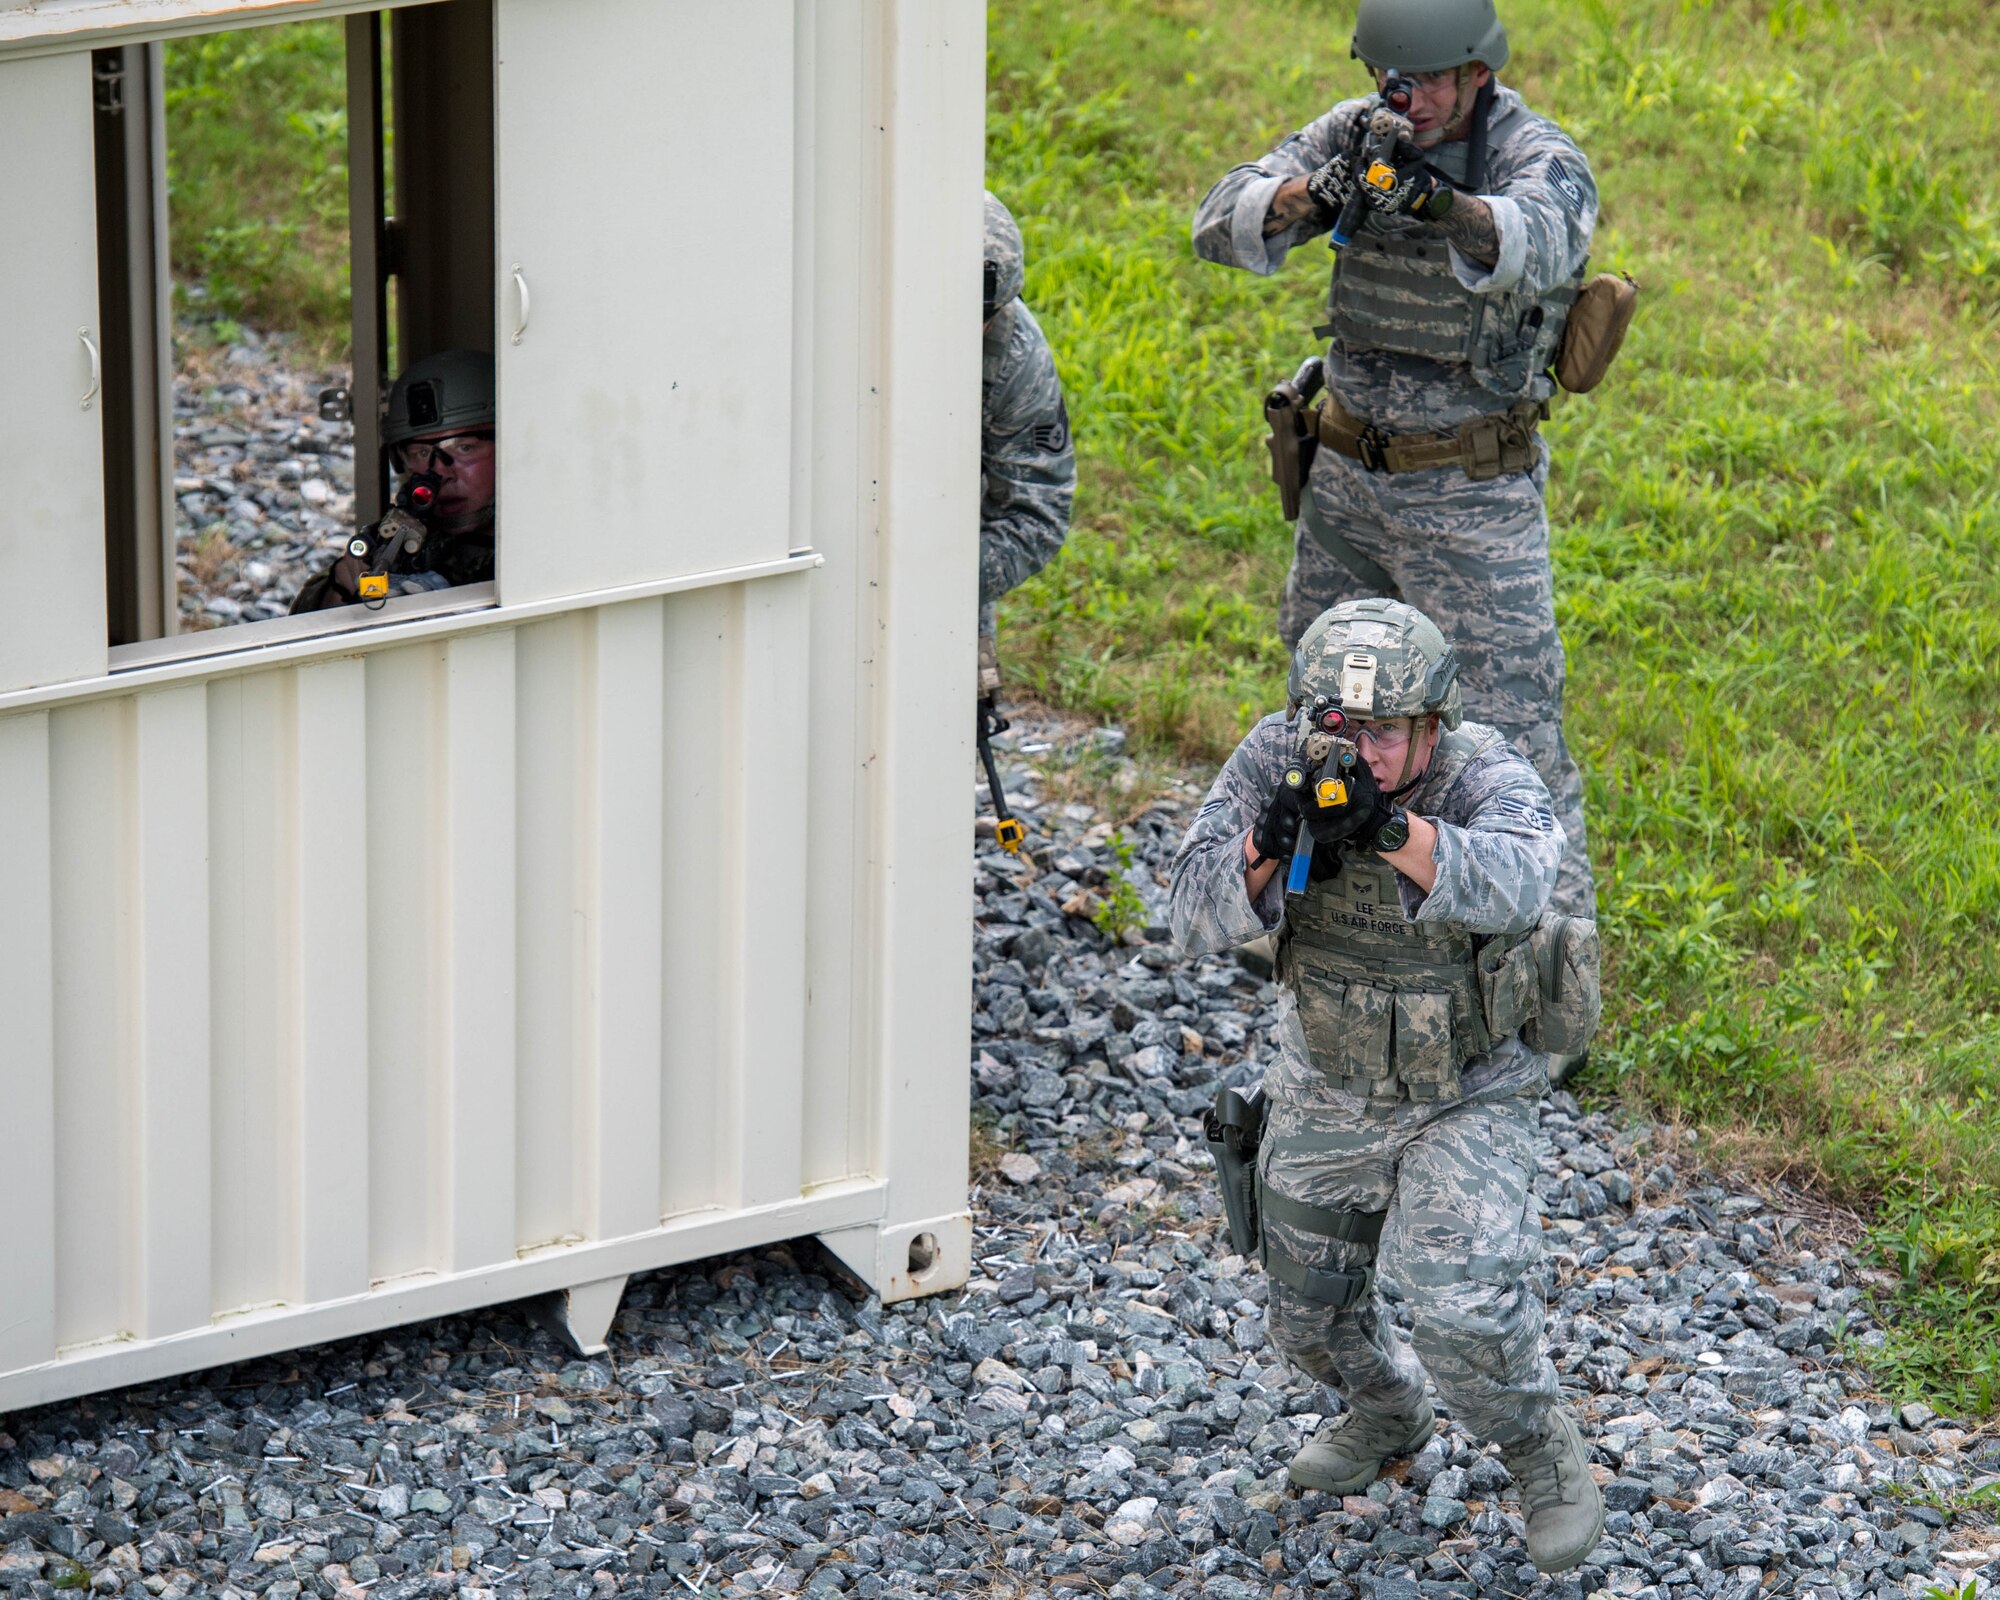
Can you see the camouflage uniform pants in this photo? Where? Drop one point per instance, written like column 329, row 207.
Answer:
column 1474, row 558
column 1461, row 1243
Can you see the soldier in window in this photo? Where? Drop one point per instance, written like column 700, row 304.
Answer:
column 439, row 535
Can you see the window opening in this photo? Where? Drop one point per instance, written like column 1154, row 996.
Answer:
column 266, row 259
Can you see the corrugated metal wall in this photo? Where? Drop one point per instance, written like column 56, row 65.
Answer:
column 359, row 979
column 410, row 961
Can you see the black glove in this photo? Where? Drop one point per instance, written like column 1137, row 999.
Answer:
column 1417, row 191
column 1326, row 862
column 1276, row 835
column 1365, row 811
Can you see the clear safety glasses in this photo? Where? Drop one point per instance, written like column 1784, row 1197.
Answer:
column 427, row 455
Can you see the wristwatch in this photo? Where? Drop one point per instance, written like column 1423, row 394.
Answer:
column 1395, row 833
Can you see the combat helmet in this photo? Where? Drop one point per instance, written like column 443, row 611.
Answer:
column 449, row 392
column 1378, row 659
column 1005, row 271
column 1428, row 35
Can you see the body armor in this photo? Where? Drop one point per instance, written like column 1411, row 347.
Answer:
column 1390, row 1006
column 1394, row 291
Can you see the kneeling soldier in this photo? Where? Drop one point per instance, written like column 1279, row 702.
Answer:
column 1405, row 859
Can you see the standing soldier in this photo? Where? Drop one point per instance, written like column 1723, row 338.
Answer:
column 1448, row 304
column 1423, row 986
column 1027, row 465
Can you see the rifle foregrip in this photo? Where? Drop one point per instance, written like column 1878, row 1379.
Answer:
column 1349, row 220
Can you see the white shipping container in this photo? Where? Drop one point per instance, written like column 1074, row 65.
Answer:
column 523, row 937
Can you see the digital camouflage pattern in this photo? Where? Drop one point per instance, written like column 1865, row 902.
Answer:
column 1462, row 1245
column 1430, row 35
column 1416, row 670
column 1544, row 204
column 1462, row 1238
column 1473, row 556
column 446, row 561
column 1498, row 850
column 1391, row 1005
column 1006, row 256
column 1027, row 462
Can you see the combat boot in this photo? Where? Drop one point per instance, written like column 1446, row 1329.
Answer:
column 1347, row 1453
column 1559, row 1497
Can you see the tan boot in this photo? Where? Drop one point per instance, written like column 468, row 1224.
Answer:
column 1559, row 1497
column 1347, row 1453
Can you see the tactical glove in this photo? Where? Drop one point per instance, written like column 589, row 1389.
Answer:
column 1326, row 862
column 1365, row 811
column 1330, row 187
column 1414, row 190
column 1276, row 835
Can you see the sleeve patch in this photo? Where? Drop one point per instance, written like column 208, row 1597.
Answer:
column 1566, row 186
column 1052, row 438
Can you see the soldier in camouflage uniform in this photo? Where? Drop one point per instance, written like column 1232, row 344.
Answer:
column 1444, row 315
column 440, row 421
column 1400, row 1114
column 1027, row 465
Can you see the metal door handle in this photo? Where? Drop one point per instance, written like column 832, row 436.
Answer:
column 521, row 289
column 96, row 368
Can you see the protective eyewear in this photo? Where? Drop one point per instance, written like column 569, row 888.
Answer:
column 1388, row 737
column 1423, row 80
column 427, row 455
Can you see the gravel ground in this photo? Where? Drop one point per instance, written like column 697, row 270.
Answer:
column 263, row 490
column 1097, row 1413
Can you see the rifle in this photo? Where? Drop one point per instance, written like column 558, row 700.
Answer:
column 1320, row 763
column 1387, row 124
column 1007, row 828
column 402, row 531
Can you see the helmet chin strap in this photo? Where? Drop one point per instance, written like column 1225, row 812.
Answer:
column 1408, row 780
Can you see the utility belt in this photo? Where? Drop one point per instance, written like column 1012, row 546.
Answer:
column 1491, row 446
column 1486, row 447
column 1234, row 1128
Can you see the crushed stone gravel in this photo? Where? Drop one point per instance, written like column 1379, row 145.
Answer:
column 263, row 489
column 1098, row 1412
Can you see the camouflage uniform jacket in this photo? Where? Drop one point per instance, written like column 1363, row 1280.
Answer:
column 1544, row 202
column 1027, row 464
column 446, row 561
column 1498, row 849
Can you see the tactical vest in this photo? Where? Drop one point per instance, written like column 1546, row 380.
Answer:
column 1394, row 291
column 1390, row 1006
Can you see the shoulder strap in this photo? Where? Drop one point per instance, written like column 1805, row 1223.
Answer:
column 1482, row 117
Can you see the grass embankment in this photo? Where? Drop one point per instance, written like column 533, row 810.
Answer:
column 257, row 178
column 1776, row 526
column 1777, row 537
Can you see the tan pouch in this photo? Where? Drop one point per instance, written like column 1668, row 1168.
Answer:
column 1572, row 998
column 1509, row 988
column 1595, row 330
column 1424, row 1055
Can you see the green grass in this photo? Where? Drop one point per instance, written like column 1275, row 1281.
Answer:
column 1777, row 539
column 257, row 177
column 1777, row 526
